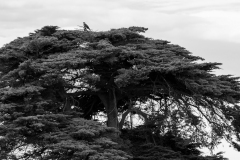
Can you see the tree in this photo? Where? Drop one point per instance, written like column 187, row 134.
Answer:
column 75, row 73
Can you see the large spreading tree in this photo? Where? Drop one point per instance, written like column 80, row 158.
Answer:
column 53, row 82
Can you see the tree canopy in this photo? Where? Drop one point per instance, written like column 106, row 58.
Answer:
column 54, row 81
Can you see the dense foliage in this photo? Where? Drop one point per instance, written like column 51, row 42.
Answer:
column 154, row 146
column 53, row 82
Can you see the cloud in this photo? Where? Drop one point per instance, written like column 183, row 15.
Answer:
column 193, row 6
column 222, row 25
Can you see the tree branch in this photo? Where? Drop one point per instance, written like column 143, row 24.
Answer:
column 138, row 111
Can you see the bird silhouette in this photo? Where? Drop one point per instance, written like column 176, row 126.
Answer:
column 86, row 27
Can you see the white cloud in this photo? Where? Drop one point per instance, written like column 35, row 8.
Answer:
column 220, row 25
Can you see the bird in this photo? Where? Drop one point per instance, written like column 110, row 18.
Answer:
column 86, row 27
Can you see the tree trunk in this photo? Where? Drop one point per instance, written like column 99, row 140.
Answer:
column 110, row 103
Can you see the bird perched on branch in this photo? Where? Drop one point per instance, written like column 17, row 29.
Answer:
column 86, row 27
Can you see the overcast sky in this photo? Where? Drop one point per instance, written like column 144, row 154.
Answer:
column 207, row 28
